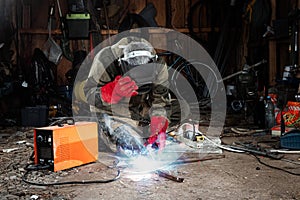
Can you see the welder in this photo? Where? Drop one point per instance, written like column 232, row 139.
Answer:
column 128, row 89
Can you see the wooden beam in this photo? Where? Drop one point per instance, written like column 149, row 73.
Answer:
column 272, row 51
column 40, row 31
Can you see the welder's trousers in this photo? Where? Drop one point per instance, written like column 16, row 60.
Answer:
column 119, row 130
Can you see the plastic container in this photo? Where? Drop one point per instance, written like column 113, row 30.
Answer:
column 78, row 25
column 290, row 140
column 260, row 113
column 269, row 113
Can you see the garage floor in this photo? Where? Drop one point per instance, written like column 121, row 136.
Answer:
column 224, row 175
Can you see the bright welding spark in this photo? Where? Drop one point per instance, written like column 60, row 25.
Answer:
column 145, row 164
column 144, row 168
column 140, row 177
column 141, row 168
column 153, row 161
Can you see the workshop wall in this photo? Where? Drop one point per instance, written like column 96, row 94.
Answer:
column 34, row 17
column 233, row 35
column 202, row 21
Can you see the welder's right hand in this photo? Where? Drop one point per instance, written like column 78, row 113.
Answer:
column 158, row 128
column 121, row 87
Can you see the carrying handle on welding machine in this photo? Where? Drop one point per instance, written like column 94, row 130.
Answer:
column 65, row 120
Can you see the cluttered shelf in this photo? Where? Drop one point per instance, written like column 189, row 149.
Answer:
column 41, row 31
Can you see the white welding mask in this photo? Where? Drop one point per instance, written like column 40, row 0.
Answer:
column 140, row 63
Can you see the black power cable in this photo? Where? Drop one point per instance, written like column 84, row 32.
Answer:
column 273, row 167
column 45, row 167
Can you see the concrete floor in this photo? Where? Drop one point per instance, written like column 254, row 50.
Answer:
column 236, row 176
column 229, row 176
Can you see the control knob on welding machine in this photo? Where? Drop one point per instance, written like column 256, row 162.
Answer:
column 39, row 139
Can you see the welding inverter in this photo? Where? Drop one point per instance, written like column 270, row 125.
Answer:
column 67, row 146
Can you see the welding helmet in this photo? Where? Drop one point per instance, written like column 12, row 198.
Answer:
column 139, row 62
column 136, row 53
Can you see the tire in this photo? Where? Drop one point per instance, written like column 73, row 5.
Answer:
column 187, row 73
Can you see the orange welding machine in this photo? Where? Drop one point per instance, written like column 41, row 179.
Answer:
column 66, row 146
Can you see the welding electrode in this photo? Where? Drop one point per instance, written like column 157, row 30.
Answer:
column 169, row 176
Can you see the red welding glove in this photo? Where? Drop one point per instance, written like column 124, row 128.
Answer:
column 121, row 87
column 158, row 128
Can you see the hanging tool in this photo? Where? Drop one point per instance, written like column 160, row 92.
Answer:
column 65, row 43
column 245, row 69
column 51, row 49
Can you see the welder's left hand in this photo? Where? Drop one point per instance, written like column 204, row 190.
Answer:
column 158, row 128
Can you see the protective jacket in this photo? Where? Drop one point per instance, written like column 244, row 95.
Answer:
column 152, row 101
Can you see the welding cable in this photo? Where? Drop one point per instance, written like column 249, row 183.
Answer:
column 284, row 151
column 290, row 161
column 29, row 169
column 224, row 147
column 32, row 156
column 273, row 167
column 33, row 167
column 259, row 160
